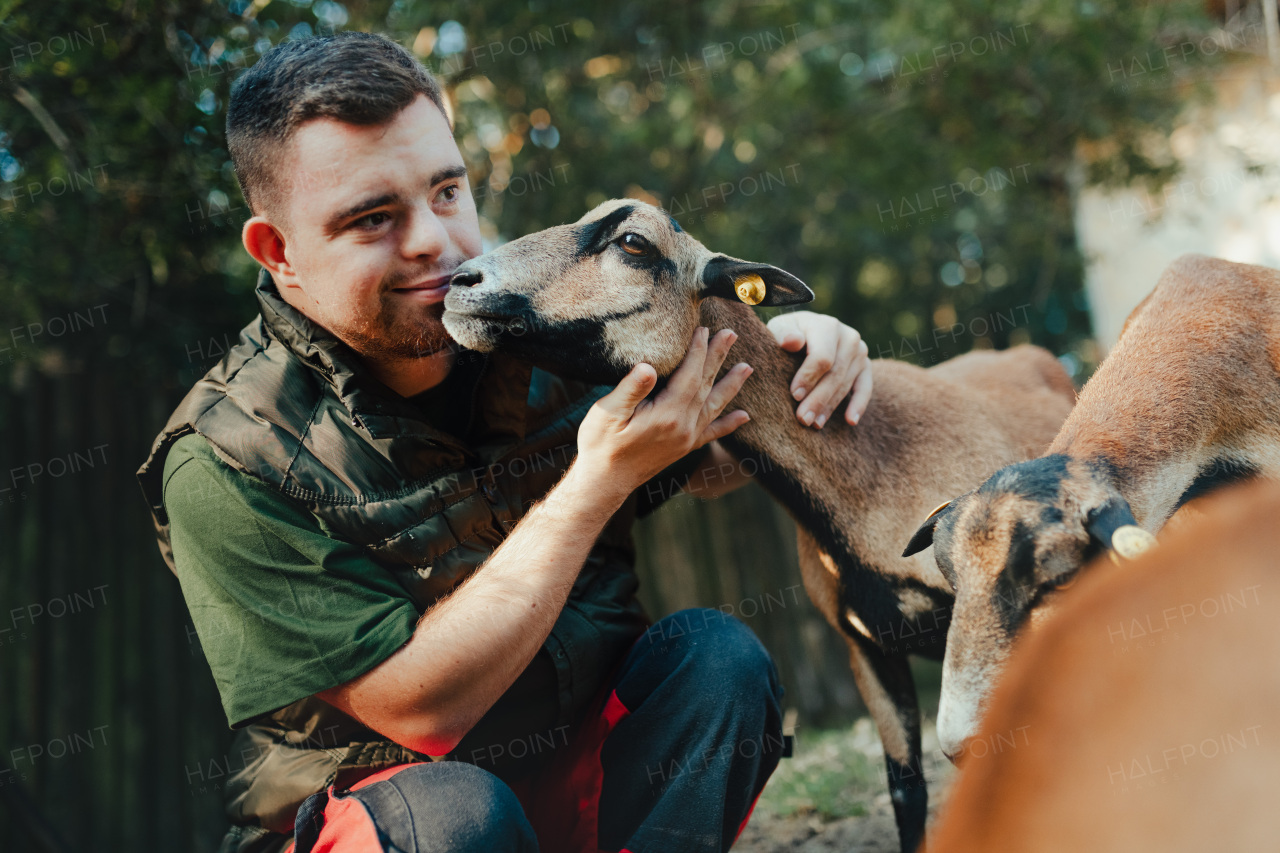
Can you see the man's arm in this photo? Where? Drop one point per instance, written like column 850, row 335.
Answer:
column 468, row 649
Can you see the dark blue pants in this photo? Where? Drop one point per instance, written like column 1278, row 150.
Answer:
column 700, row 732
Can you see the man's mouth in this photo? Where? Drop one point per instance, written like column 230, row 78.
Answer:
column 430, row 290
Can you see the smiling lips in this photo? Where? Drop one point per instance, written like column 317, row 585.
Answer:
column 431, row 290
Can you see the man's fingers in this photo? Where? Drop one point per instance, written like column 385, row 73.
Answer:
column 684, row 381
column 831, row 389
column 717, row 352
column 723, row 425
column 723, row 392
column 630, row 392
column 785, row 332
column 861, row 395
column 819, row 357
column 692, row 380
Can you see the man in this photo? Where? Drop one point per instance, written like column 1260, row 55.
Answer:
column 396, row 551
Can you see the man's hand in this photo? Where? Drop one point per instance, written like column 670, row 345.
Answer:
column 836, row 362
column 625, row 439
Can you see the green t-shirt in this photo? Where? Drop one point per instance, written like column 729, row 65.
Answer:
column 282, row 610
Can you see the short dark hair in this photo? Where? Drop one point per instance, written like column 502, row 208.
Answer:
column 354, row 77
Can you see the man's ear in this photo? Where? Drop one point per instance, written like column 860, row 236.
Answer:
column 266, row 244
column 923, row 537
column 754, row 284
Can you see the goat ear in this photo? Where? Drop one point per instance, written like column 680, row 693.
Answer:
column 754, row 284
column 923, row 537
column 1113, row 526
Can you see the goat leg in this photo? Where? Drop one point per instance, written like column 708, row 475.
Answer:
column 886, row 685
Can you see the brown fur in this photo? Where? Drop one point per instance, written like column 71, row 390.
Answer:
column 1145, row 713
column 1192, row 386
column 855, row 492
column 1195, row 369
column 973, row 413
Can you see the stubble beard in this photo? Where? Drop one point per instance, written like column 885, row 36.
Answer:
column 396, row 330
column 390, row 334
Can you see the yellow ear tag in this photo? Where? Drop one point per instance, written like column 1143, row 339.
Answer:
column 750, row 288
column 1130, row 541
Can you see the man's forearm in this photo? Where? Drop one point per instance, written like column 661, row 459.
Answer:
column 468, row 649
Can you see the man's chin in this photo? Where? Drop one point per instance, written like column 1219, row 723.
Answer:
column 421, row 346
column 406, row 341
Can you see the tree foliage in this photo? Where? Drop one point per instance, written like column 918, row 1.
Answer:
column 914, row 161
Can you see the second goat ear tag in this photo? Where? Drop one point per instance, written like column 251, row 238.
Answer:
column 1129, row 541
column 750, row 288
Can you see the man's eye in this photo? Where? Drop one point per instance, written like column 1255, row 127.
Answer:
column 634, row 244
column 372, row 220
column 450, row 193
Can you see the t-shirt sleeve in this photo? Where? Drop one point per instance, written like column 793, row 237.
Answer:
column 281, row 609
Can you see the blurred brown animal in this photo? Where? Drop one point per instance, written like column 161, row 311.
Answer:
column 1187, row 401
column 1146, row 709
column 626, row 284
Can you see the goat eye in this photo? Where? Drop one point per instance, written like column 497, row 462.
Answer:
column 634, row 244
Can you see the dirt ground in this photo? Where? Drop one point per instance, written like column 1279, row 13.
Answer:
column 832, row 796
column 874, row 833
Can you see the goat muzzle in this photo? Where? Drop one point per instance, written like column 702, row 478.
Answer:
column 464, row 277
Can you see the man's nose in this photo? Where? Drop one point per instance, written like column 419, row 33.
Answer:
column 427, row 236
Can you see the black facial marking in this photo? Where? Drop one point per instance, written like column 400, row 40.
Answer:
column 1050, row 515
column 594, row 236
column 585, row 338
column 1039, row 480
column 1015, row 585
column 661, row 269
column 674, row 224
column 573, row 349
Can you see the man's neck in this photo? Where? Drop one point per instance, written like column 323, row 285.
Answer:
column 409, row 377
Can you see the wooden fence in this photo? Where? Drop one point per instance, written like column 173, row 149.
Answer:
column 112, row 733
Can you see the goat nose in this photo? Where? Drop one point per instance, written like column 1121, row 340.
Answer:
column 466, row 277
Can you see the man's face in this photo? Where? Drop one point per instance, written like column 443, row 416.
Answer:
column 376, row 220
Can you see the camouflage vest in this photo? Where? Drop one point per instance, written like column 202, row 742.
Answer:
column 293, row 406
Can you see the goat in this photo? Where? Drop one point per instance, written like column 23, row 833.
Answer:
column 1188, row 400
column 626, row 284
column 1144, row 714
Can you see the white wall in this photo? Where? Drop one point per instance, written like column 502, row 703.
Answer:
column 1217, row 207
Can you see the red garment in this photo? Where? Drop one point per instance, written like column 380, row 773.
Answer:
column 562, row 801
